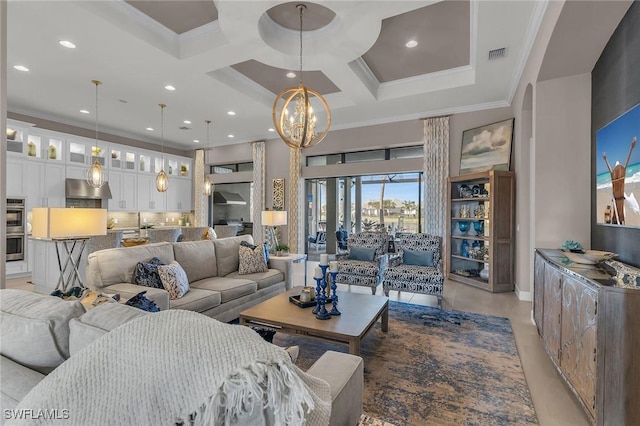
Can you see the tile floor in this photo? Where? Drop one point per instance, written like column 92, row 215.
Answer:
column 554, row 403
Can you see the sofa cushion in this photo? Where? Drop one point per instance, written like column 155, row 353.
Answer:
column 146, row 273
column 264, row 279
column 197, row 258
column 17, row 381
column 97, row 322
column 197, row 300
column 227, row 253
column 115, row 266
column 358, row 267
column 174, row 279
column 229, row 288
column 34, row 328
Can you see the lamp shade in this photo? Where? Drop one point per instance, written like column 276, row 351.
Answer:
column 68, row 222
column 274, row 217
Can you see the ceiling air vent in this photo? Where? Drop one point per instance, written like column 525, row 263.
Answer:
column 497, row 53
column 184, row 128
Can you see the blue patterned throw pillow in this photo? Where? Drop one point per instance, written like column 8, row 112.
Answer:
column 146, row 273
column 141, row 301
column 174, row 280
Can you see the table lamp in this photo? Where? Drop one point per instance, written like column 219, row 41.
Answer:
column 70, row 228
column 272, row 219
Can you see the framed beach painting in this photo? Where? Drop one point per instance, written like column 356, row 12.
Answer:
column 618, row 170
column 487, row 147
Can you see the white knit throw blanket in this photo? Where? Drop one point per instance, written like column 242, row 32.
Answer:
column 180, row 367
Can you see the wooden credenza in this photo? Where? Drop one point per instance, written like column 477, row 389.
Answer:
column 590, row 328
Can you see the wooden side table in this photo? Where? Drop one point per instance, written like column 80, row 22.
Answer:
column 285, row 263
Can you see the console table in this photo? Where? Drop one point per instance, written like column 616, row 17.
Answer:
column 589, row 322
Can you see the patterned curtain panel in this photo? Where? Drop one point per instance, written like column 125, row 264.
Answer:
column 436, row 172
column 199, row 199
column 258, row 191
column 293, row 211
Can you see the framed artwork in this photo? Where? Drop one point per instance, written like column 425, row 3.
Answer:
column 618, row 170
column 487, row 147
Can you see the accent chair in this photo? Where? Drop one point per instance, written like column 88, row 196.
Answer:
column 365, row 260
column 417, row 266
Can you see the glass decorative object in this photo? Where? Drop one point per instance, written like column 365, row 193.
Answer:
column 479, row 228
column 463, row 226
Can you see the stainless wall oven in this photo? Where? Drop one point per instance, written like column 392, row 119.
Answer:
column 16, row 235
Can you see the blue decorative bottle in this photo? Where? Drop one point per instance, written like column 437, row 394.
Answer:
column 464, row 248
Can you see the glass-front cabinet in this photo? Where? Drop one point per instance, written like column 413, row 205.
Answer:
column 34, row 144
column 480, row 230
column 123, row 159
column 86, row 152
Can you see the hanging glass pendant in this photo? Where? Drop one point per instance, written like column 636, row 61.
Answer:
column 162, row 181
column 208, row 186
column 95, row 175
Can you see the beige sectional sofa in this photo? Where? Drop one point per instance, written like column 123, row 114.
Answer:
column 38, row 333
column 216, row 288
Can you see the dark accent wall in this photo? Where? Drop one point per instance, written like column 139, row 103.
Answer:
column 615, row 81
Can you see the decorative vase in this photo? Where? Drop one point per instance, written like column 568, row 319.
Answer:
column 31, row 149
column 478, row 227
column 463, row 226
column 52, row 152
column 464, row 248
column 484, row 273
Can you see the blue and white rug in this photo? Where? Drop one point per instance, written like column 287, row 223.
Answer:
column 437, row 367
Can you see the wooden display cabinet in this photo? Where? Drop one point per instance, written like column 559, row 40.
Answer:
column 485, row 203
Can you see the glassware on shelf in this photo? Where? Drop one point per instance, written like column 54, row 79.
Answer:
column 478, row 226
column 464, row 248
column 463, row 226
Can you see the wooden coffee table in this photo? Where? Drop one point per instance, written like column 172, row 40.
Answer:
column 359, row 313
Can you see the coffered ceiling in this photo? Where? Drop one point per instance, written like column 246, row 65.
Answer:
column 226, row 56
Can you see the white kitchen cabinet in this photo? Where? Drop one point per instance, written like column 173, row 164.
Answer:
column 81, row 151
column 149, row 199
column 53, row 194
column 179, row 195
column 123, row 187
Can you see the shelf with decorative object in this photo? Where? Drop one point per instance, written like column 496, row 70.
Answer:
column 480, row 230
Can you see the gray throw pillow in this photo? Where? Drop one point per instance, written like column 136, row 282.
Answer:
column 362, row 253
column 417, row 258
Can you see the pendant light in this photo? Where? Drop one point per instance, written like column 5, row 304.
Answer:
column 162, row 180
column 297, row 127
column 95, row 173
column 208, row 185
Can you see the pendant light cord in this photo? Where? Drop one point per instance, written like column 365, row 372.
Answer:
column 162, row 132
column 97, row 83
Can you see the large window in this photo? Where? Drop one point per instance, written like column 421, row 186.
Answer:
column 392, row 202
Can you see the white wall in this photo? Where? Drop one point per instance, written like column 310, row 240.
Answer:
column 562, row 161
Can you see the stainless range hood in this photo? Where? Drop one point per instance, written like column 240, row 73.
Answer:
column 80, row 188
column 228, row 198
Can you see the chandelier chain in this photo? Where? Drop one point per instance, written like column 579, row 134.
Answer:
column 301, row 7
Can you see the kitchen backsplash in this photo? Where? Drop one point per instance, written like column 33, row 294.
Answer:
column 130, row 220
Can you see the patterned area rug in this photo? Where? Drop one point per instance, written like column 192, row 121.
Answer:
column 436, row 367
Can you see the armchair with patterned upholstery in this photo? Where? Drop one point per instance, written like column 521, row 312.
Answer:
column 365, row 260
column 417, row 267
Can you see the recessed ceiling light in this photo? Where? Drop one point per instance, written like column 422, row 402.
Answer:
column 196, row 141
column 187, row 122
column 84, row 111
column 291, row 74
column 67, row 44
column 411, row 43
column 230, row 136
column 21, row 68
column 272, row 129
column 231, row 113
column 169, row 87
column 150, row 129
